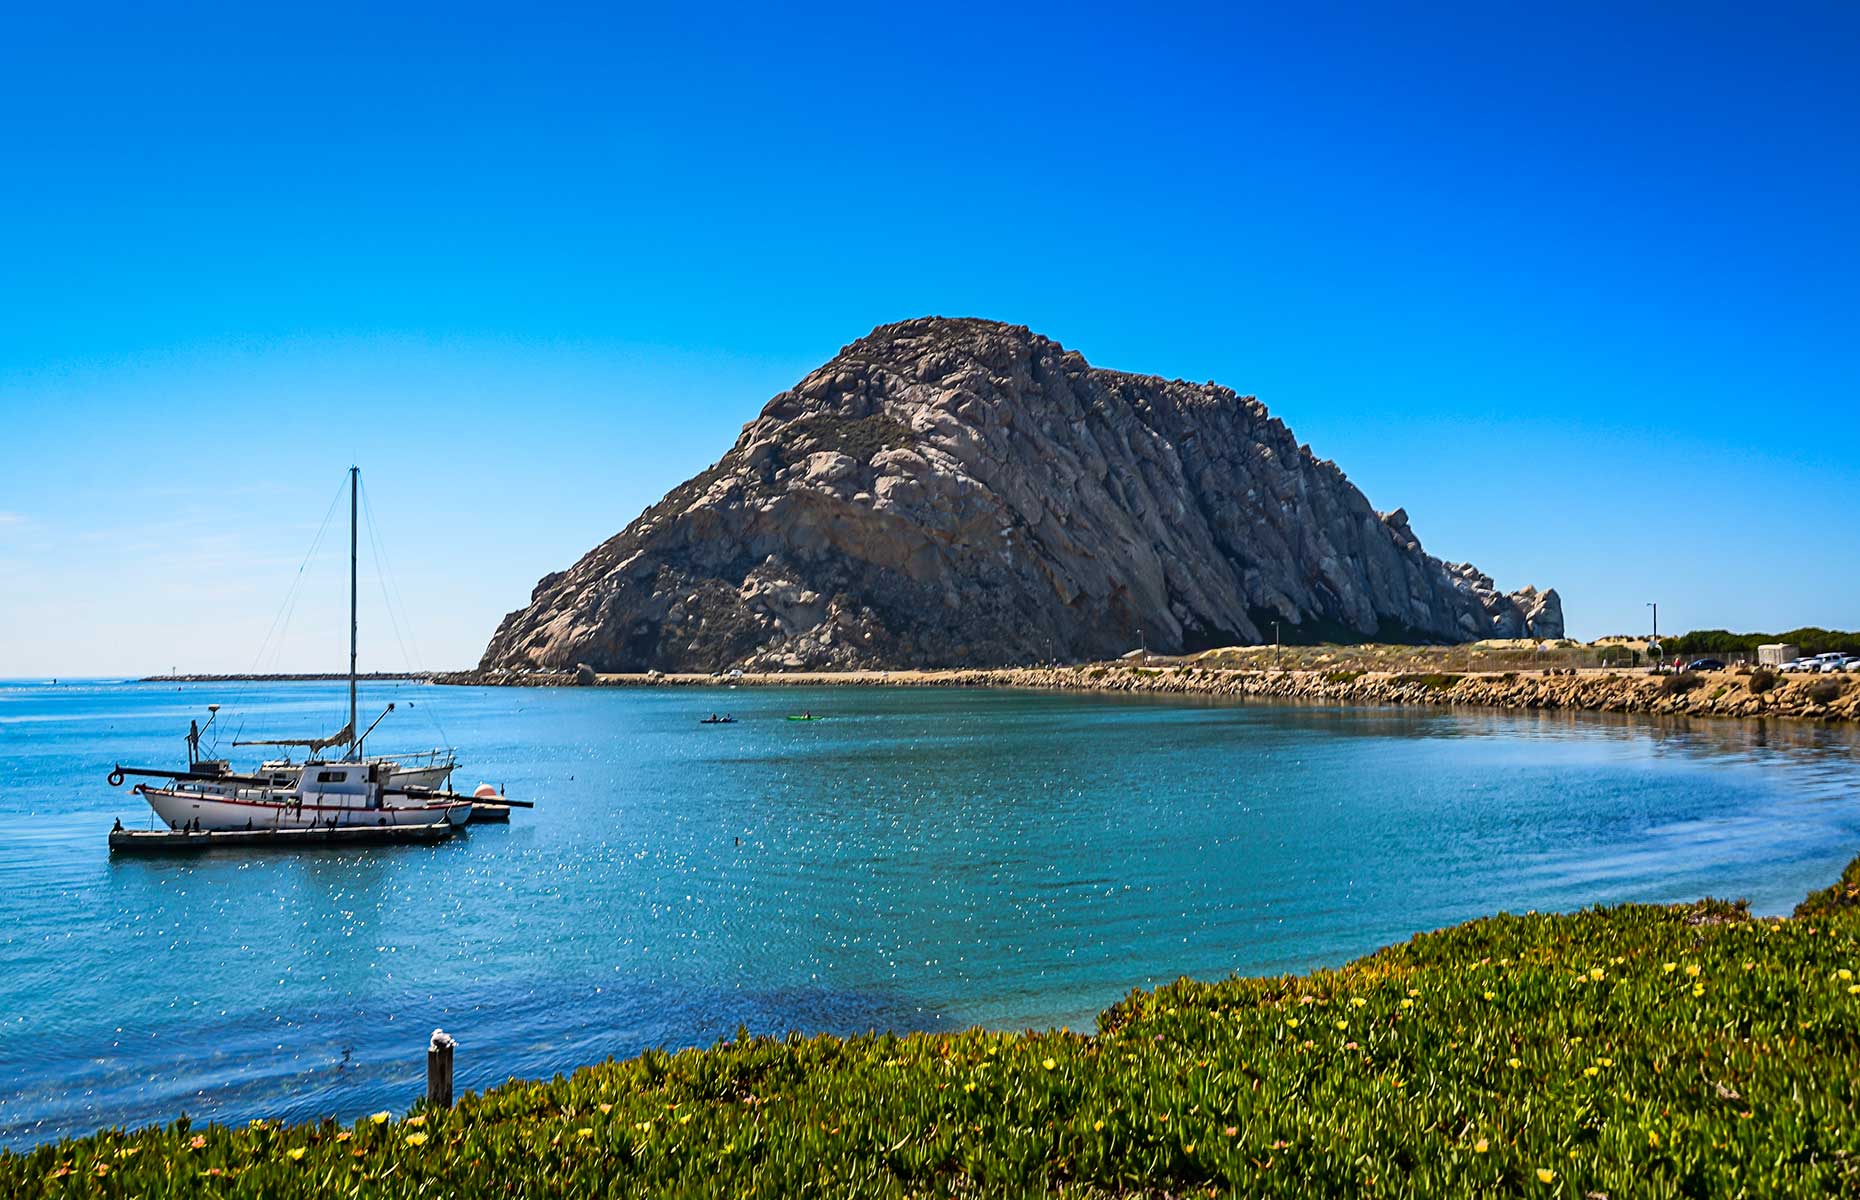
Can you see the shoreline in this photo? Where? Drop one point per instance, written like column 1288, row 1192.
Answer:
column 1659, row 1029
column 1608, row 690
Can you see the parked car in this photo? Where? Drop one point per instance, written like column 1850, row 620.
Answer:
column 1836, row 662
column 1704, row 664
column 1798, row 666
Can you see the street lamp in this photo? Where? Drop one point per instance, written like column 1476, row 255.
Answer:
column 1653, row 643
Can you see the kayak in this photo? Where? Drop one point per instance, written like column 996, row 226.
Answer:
column 807, row 718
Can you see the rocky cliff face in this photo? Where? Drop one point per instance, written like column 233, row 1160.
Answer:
column 954, row 492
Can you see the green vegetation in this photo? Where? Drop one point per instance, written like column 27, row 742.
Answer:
column 1810, row 640
column 1629, row 1051
column 1825, row 691
column 1839, row 899
column 1681, row 682
column 1342, row 676
column 1762, row 680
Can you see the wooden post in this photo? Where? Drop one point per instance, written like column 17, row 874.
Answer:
column 439, row 1069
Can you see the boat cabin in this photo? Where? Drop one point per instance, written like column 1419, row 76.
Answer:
column 346, row 783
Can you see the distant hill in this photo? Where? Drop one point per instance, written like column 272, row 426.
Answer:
column 963, row 492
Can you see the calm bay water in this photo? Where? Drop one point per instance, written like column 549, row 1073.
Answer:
column 923, row 859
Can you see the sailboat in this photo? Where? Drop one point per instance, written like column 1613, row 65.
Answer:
column 333, row 794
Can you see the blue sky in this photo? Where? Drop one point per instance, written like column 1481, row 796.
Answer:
column 1578, row 288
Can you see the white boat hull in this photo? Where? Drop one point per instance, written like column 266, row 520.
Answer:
column 423, row 777
column 188, row 808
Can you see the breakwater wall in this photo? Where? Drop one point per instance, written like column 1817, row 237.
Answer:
column 1828, row 698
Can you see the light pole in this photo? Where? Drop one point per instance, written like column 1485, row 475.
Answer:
column 1275, row 645
column 1653, row 643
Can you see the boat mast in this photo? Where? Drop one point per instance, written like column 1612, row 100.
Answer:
column 354, row 743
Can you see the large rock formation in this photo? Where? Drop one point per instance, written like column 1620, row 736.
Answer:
column 950, row 492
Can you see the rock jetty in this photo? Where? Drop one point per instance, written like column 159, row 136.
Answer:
column 956, row 492
column 1714, row 694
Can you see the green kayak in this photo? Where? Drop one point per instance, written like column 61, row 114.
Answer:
column 809, row 717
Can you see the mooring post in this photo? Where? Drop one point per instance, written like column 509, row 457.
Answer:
column 439, row 1069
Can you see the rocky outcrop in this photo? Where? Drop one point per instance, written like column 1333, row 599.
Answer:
column 949, row 492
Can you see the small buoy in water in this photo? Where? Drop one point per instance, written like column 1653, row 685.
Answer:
column 485, row 792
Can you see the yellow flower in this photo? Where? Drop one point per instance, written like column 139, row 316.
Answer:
column 1291, row 1022
column 1343, row 1024
column 342, row 1135
column 1595, row 972
column 1653, row 1139
column 1414, row 991
column 969, row 1086
column 379, row 1118
column 1591, row 1070
column 1357, row 1002
column 584, row 1132
column 1479, row 1147
column 606, row 1108
column 728, row 1146
column 1605, row 1062
column 1490, row 996
column 1514, row 1063
column 295, row 1153
column 1698, row 989
column 1407, row 1003
column 1096, row 1126
column 1692, row 969
column 1853, row 989
column 685, row 1119
column 1189, row 1149
column 1668, row 968
column 419, row 1120
column 1048, row 1063
column 1545, row 1175
column 416, row 1139
column 1844, row 973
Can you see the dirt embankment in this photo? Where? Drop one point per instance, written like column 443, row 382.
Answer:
column 1834, row 698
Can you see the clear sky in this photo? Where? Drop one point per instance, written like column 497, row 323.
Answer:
column 1577, row 285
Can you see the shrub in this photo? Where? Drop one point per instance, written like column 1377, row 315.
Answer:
column 1762, row 680
column 1681, row 682
column 1825, row 691
column 1342, row 676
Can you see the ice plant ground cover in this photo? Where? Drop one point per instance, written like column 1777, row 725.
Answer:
column 1632, row 1051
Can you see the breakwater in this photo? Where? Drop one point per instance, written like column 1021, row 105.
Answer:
column 1830, row 698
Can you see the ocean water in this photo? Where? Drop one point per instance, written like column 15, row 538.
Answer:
column 922, row 859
